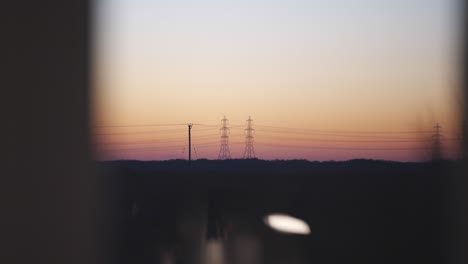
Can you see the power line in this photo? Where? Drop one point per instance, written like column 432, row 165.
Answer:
column 156, row 148
column 150, row 125
column 209, row 144
column 337, row 148
column 349, row 141
column 346, row 131
column 205, row 125
column 140, row 142
column 138, row 132
column 204, row 137
column 274, row 127
column 148, row 132
column 198, row 138
column 330, row 134
column 274, row 132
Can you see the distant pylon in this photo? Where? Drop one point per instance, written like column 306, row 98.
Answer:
column 224, row 152
column 249, row 152
column 436, row 143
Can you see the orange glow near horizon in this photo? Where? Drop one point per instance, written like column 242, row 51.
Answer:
column 318, row 81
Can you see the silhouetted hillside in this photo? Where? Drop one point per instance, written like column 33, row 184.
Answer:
column 238, row 174
column 274, row 166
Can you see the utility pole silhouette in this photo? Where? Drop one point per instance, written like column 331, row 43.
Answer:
column 224, row 152
column 190, row 142
column 249, row 152
column 436, row 143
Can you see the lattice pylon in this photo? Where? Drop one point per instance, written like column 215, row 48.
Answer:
column 436, row 143
column 224, row 152
column 249, row 152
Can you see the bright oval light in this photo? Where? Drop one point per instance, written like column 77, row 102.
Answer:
column 287, row 224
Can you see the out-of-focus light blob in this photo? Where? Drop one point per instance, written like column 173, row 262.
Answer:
column 214, row 252
column 287, row 224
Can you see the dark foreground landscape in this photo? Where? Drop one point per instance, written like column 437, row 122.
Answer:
column 359, row 211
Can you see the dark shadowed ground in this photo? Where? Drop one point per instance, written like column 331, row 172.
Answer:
column 359, row 211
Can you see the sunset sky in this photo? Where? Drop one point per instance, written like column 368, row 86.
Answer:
column 322, row 80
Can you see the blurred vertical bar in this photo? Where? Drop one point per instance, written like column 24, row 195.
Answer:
column 49, row 193
column 463, row 175
column 459, row 188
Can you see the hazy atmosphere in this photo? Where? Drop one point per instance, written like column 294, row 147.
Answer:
column 321, row 80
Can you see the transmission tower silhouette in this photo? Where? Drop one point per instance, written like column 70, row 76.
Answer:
column 249, row 152
column 436, row 143
column 224, row 152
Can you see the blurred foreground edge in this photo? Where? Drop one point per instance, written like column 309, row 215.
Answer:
column 49, row 193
